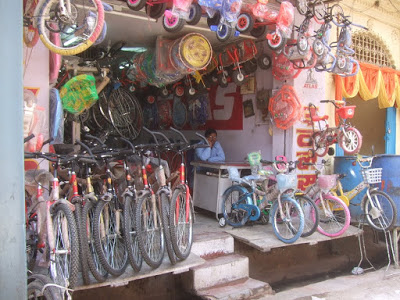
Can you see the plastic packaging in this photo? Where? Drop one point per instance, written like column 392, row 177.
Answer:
column 56, row 117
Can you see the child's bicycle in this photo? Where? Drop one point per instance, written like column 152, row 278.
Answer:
column 250, row 196
column 348, row 137
column 334, row 215
column 379, row 209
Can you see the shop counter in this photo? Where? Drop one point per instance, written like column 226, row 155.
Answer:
column 210, row 183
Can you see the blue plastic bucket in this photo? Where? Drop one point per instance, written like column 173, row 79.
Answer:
column 390, row 165
column 344, row 165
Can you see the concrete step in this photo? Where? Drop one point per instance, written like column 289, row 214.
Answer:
column 211, row 244
column 217, row 271
column 246, row 288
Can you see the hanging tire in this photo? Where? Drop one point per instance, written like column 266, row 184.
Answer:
column 225, row 32
column 264, row 61
column 156, row 11
column 223, row 79
column 194, row 14
column 214, row 20
column 179, row 90
column 244, row 23
column 173, row 23
column 238, row 77
column 136, row 4
column 277, row 42
column 258, row 31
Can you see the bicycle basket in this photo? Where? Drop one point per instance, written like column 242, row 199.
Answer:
column 286, row 182
column 346, row 112
column 373, row 175
column 326, row 182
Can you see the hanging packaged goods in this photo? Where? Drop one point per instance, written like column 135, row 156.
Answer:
column 171, row 60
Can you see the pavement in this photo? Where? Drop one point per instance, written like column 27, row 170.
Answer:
column 371, row 284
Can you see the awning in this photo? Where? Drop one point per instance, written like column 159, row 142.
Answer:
column 371, row 82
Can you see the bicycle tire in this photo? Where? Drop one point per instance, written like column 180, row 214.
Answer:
column 165, row 217
column 290, row 228
column 320, row 147
column 231, row 198
column 150, row 236
column 180, row 227
column 109, row 243
column 35, row 291
column 335, row 221
column 311, row 216
column 53, row 292
column 93, row 260
column 82, row 253
column 382, row 214
column 132, row 246
column 47, row 14
column 354, row 142
column 65, row 267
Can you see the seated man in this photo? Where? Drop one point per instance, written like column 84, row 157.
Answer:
column 214, row 153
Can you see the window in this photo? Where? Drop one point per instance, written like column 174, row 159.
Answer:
column 371, row 49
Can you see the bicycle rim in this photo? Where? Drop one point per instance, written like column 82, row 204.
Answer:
column 64, row 259
column 335, row 218
column 93, row 260
column 380, row 211
column 289, row 226
column 181, row 223
column 109, row 238
column 132, row 244
column 234, row 215
column 150, row 234
column 311, row 216
column 78, row 30
column 166, row 228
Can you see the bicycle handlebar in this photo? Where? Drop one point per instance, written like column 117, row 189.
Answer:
column 28, row 138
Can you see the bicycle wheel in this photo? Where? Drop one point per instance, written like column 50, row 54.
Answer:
column 231, row 200
column 132, row 245
column 311, row 216
column 150, row 234
column 380, row 211
column 289, row 225
column 93, row 260
column 82, row 253
column 36, row 283
column 181, row 222
column 319, row 144
column 64, row 258
column 165, row 216
column 334, row 216
column 351, row 140
column 109, row 238
column 78, row 29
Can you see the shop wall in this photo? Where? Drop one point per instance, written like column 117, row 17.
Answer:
column 36, row 79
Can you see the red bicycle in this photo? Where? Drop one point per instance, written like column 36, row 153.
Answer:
column 348, row 137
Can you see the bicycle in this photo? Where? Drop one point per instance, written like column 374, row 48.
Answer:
column 240, row 202
column 379, row 209
column 181, row 207
column 348, row 137
column 56, row 225
column 334, row 215
column 78, row 22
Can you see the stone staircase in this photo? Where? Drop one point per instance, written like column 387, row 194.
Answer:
column 224, row 275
